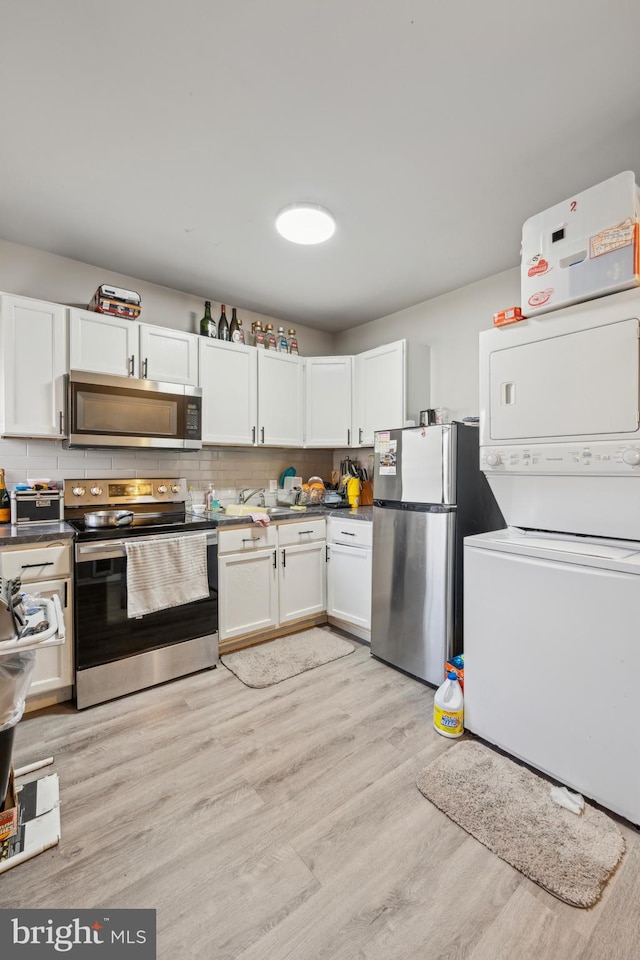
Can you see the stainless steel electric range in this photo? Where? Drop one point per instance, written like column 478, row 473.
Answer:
column 114, row 654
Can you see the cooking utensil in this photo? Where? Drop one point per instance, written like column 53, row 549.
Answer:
column 108, row 518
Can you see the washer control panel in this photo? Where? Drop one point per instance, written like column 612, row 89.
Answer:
column 611, row 458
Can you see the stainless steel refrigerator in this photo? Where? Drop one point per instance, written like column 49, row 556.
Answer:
column 429, row 494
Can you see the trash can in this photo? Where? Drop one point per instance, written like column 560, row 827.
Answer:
column 15, row 677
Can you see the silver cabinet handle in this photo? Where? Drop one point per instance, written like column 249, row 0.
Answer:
column 132, row 362
column 360, row 435
column 348, row 438
column 145, row 367
column 262, row 431
column 61, row 423
column 253, row 434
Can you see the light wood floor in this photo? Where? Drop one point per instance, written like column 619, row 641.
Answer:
column 285, row 824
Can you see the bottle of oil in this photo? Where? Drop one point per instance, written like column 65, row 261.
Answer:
column 5, row 503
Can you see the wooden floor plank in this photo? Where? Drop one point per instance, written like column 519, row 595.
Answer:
column 285, row 823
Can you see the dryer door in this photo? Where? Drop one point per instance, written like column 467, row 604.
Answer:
column 581, row 385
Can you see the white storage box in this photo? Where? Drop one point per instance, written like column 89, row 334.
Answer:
column 584, row 247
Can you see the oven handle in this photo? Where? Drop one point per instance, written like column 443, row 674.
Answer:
column 110, row 549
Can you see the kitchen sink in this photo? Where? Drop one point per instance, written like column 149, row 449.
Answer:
column 244, row 509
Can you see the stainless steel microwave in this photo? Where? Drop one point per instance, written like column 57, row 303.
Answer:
column 104, row 411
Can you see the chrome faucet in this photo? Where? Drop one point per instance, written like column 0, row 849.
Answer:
column 245, row 495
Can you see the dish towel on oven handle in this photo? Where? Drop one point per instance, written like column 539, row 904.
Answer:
column 165, row 573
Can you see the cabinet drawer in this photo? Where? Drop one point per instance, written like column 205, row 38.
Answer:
column 253, row 537
column 304, row 531
column 37, row 563
column 356, row 533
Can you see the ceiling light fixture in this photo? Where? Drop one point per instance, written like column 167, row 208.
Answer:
column 305, row 223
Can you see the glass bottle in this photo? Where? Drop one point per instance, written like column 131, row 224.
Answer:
column 239, row 336
column 293, row 343
column 260, row 336
column 270, row 338
column 281, row 343
column 5, row 503
column 223, row 324
column 207, row 324
column 233, row 326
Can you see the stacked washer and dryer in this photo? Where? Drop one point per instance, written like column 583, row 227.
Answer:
column 552, row 603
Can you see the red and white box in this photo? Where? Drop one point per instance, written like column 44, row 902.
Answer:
column 116, row 302
column 582, row 248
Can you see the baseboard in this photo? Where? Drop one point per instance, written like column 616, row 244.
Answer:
column 49, row 699
column 250, row 639
column 360, row 632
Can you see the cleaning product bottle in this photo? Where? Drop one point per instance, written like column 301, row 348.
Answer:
column 448, row 708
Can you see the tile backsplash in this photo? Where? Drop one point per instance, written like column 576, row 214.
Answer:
column 226, row 467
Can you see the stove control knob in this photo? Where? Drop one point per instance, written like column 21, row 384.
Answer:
column 493, row 459
column 632, row 457
column 78, row 491
column 175, row 488
column 162, row 488
column 96, row 491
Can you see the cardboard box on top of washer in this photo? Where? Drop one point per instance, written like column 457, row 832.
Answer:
column 585, row 247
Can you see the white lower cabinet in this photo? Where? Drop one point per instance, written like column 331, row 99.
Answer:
column 269, row 576
column 349, row 575
column 52, row 679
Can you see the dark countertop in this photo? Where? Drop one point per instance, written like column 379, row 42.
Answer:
column 34, row 533
column 361, row 513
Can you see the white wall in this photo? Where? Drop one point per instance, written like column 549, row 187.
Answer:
column 450, row 324
column 28, row 272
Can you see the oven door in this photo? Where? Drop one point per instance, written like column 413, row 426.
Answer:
column 103, row 632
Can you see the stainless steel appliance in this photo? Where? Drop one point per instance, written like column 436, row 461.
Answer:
column 428, row 495
column 115, row 654
column 104, row 411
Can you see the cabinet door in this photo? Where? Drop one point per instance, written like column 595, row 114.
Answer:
column 101, row 344
column 349, row 584
column 302, row 580
column 54, row 665
column 247, row 593
column 327, row 401
column 379, row 391
column 280, row 398
column 34, row 361
column 168, row 355
column 229, row 381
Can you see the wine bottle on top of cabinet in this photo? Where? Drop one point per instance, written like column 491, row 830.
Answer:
column 270, row 338
column 236, row 333
column 223, row 324
column 260, row 336
column 293, row 343
column 207, row 324
column 281, row 341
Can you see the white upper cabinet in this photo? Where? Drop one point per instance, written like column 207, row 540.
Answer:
column 170, row 355
column 128, row 348
column 34, row 355
column 390, row 386
column 229, row 381
column 280, row 399
column 327, row 401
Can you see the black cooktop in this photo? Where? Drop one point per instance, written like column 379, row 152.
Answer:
column 142, row 526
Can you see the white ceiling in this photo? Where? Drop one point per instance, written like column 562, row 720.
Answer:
column 160, row 139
